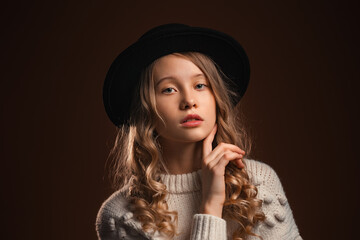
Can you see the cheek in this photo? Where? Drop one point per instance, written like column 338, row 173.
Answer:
column 166, row 111
column 212, row 105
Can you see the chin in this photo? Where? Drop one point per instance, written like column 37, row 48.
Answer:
column 187, row 135
column 193, row 135
column 194, row 139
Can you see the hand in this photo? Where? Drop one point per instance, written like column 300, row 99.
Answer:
column 213, row 173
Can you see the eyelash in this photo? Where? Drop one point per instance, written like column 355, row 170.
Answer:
column 164, row 91
column 202, row 84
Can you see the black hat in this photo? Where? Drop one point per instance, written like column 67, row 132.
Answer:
column 124, row 73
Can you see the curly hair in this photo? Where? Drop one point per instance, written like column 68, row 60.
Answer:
column 137, row 160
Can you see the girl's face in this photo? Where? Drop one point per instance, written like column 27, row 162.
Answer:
column 184, row 100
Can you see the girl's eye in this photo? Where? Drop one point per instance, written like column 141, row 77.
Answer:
column 200, row 86
column 168, row 90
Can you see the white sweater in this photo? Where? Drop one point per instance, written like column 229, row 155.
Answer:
column 114, row 221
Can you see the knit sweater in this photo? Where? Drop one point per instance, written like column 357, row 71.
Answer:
column 115, row 221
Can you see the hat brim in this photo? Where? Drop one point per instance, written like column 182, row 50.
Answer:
column 124, row 73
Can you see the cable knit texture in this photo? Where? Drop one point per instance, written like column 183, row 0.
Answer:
column 115, row 221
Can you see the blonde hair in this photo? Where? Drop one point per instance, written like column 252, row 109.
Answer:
column 137, row 162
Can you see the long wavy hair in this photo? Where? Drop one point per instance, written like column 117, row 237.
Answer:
column 137, row 161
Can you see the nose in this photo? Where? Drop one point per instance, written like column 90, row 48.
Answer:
column 188, row 102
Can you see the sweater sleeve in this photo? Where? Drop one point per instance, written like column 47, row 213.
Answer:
column 114, row 222
column 105, row 226
column 205, row 226
column 279, row 222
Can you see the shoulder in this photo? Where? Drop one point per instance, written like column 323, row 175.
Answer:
column 270, row 190
column 266, row 180
column 261, row 174
column 115, row 205
column 279, row 221
column 114, row 220
column 110, row 211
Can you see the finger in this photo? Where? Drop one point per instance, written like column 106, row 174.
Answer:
column 239, row 163
column 207, row 143
column 224, row 156
column 224, row 162
column 222, row 147
column 220, row 150
column 219, row 168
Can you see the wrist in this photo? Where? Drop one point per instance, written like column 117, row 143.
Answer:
column 214, row 209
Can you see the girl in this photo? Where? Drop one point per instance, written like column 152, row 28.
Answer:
column 180, row 166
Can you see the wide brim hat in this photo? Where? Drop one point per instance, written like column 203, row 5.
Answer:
column 124, row 73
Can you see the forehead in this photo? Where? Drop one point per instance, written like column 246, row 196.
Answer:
column 173, row 66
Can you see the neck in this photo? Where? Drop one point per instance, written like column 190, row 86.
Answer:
column 181, row 157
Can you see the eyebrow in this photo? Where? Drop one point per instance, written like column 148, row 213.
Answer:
column 172, row 78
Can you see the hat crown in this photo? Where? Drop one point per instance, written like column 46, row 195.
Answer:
column 164, row 29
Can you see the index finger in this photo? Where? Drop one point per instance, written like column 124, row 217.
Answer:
column 207, row 143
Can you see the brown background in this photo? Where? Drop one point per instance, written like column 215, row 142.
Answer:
column 55, row 136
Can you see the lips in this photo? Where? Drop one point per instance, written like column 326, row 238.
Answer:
column 190, row 118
